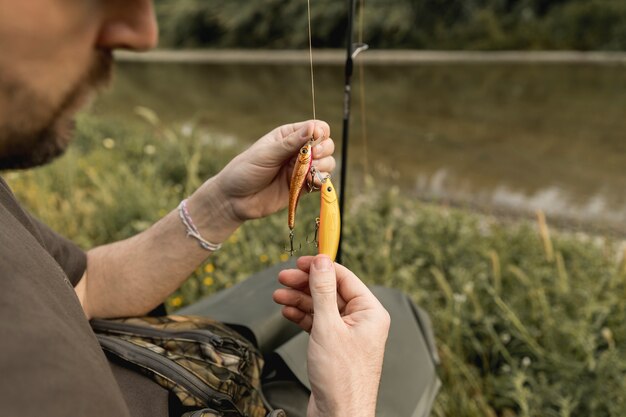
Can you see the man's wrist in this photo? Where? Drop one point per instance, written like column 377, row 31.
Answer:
column 355, row 411
column 212, row 213
column 352, row 402
column 359, row 409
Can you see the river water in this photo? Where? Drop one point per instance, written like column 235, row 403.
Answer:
column 503, row 138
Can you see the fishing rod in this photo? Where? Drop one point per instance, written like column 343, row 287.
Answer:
column 353, row 49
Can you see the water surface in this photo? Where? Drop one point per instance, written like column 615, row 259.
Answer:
column 504, row 138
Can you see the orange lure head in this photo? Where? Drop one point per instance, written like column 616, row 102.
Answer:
column 298, row 177
column 305, row 155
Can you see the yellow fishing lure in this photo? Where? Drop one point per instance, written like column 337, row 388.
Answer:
column 328, row 225
column 329, row 221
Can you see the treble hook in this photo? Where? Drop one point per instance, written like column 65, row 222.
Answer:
column 310, row 180
column 315, row 236
column 291, row 249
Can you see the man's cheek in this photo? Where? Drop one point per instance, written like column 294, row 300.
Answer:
column 47, row 43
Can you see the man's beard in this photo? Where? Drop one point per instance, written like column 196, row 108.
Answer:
column 43, row 132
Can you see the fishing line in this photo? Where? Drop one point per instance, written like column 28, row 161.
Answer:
column 308, row 5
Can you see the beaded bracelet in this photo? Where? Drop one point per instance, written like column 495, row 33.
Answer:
column 192, row 230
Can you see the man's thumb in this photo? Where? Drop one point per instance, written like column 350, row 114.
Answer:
column 323, row 286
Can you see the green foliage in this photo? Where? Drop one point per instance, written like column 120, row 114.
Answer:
column 420, row 24
column 245, row 24
column 527, row 325
column 596, row 24
column 519, row 334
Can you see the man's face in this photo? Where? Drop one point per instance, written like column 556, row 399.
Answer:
column 54, row 54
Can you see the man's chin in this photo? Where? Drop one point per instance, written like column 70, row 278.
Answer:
column 49, row 144
column 36, row 146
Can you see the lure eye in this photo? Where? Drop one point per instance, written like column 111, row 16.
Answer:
column 329, row 189
column 305, row 150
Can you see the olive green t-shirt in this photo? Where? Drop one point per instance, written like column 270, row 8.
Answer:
column 50, row 362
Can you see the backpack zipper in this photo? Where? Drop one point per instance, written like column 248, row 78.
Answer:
column 167, row 369
column 196, row 335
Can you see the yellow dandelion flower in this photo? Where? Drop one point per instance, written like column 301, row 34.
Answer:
column 208, row 281
column 209, row 268
column 108, row 143
column 176, row 301
column 149, row 149
column 264, row 258
column 284, row 257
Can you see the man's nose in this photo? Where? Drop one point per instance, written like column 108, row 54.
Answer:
column 128, row 24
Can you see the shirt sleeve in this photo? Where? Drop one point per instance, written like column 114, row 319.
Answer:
column 71, row 258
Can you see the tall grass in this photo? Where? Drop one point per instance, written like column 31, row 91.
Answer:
column 530, row 321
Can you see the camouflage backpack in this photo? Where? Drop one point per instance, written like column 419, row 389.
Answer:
column 208, row 366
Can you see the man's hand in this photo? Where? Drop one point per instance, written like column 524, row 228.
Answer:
column 131, row 277
column 256, row 183
column 348, row 327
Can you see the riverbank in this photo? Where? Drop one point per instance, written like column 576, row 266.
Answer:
column 527, row 319
column 372, row 57
column 506, row 139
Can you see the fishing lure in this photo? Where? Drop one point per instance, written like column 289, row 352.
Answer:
column 329, row 223
column 298, row 177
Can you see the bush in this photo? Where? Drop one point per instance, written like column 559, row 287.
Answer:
column 596, row 24
column 419, row 24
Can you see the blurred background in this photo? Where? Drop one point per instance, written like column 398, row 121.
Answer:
column 397, row 24
column 512, row 136
column 489, row 185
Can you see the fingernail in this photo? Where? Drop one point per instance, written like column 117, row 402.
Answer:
column 318, row 133
column 322, row 263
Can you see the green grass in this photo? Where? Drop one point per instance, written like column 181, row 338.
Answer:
column 529, row 323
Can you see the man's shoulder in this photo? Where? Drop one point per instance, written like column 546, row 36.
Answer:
column 12, row 212
column 5, row 191
column 48, row 336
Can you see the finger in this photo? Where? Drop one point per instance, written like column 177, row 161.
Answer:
column 324, row 131
column 299, row 278
column 294, row 298
column 300, row 299
column 349, row 286
column 302, row 319
column 280, row 150
column 304, row 263
column 323, row 286
column 325, row 165
column 294, row 278
column 324, row 148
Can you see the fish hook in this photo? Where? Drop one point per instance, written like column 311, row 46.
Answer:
column 310, row 180
column 315, row 240
column 291, row 249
